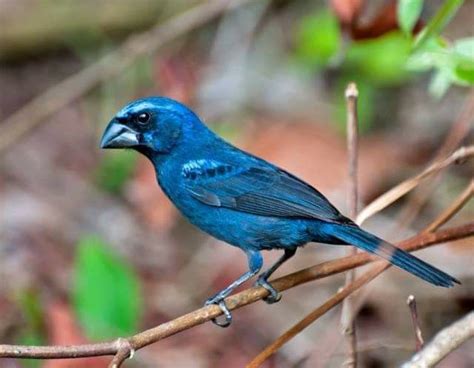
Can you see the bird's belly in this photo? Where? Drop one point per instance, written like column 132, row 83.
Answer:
column 249, row 231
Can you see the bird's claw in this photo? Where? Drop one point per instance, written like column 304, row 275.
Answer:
column 224, row 309
column 274, row 296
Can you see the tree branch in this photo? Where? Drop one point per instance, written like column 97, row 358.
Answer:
column 334, row 300
column 445, row 341
column 407, row 185
column 347, row 313
column 411, row 302
column 236, row 301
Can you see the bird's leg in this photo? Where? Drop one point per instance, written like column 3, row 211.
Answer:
column 255, row 264
column 262, row 280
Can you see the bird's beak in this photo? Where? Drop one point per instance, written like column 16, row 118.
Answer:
column 117, row 135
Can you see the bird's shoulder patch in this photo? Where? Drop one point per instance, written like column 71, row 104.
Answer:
column 205, row 169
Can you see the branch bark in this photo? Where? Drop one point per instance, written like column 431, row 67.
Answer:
column 445, row 341
column 236, row 301
column 347, row 315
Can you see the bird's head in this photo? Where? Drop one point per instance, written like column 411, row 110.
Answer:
column 152, row 125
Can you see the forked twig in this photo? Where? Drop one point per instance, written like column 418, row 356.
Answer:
column 377, row 269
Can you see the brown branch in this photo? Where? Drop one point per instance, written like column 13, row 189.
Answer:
column 445, row 341
column 454, row 208
column 454, row 138
column 124, row 351
column 347, row 314
column 406, row 186
column 411, row 302
column 112, row 64
column 236, row 301
column 333, row 301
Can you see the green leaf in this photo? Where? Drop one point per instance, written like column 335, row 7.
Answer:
column 435, row 52
column 317, row 38
column 408, row 12
column 465, row 47
column 115, row 169
column 465, row 72
column 438, row 22
column 106, row 292
column 439, row 84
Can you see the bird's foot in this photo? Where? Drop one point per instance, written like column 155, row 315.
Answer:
column 219, row 300
column 274, row 295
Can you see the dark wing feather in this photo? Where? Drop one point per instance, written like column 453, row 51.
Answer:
column 265, row 192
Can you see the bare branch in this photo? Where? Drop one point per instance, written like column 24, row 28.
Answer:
column 337, row 298
column 411, row 301
column 233, row 302
column 406, row 186
column 459, row 130
column 454, row 208
column 347, row 314
column 445, row 341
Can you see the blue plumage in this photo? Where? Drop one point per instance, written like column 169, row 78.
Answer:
column 239, row 198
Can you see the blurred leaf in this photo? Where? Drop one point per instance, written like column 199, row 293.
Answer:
column 465, row 47
column 439, row 84
column 438, row 22
column 408, row 12
column 317, row 39
column 382, row 60
column 106, row 291
column 365, row 104
column 115, row 169
column 433, row 53
column 465, row 72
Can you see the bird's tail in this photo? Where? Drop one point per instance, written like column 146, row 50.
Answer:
column 360, row 238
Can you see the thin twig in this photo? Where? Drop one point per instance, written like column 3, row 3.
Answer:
column 406, row 186
column 236, row 301
column 445, row 342
column 318, row 312
column 454, row 138
column 124, row 352
column 454, row 208
column 411, row 302
column 110, row 65
column 347, row 314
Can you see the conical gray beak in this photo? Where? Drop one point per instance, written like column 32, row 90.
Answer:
column 117, row 135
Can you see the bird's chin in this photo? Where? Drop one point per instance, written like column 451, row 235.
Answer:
column 117, row 135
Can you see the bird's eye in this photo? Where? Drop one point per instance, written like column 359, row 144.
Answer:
column 143, row 118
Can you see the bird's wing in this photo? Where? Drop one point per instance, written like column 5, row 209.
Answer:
column 264, row 191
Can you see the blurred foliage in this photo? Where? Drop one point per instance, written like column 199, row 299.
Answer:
column 452, row 62
column 388, row 60
column 106, row 293
column 318, row 38
column 114, row 170
column 33, row 332
column 408, row 12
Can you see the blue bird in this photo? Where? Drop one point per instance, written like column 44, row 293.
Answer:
column 239, row 198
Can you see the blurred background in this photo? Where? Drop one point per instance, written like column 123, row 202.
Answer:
column 91, row 249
